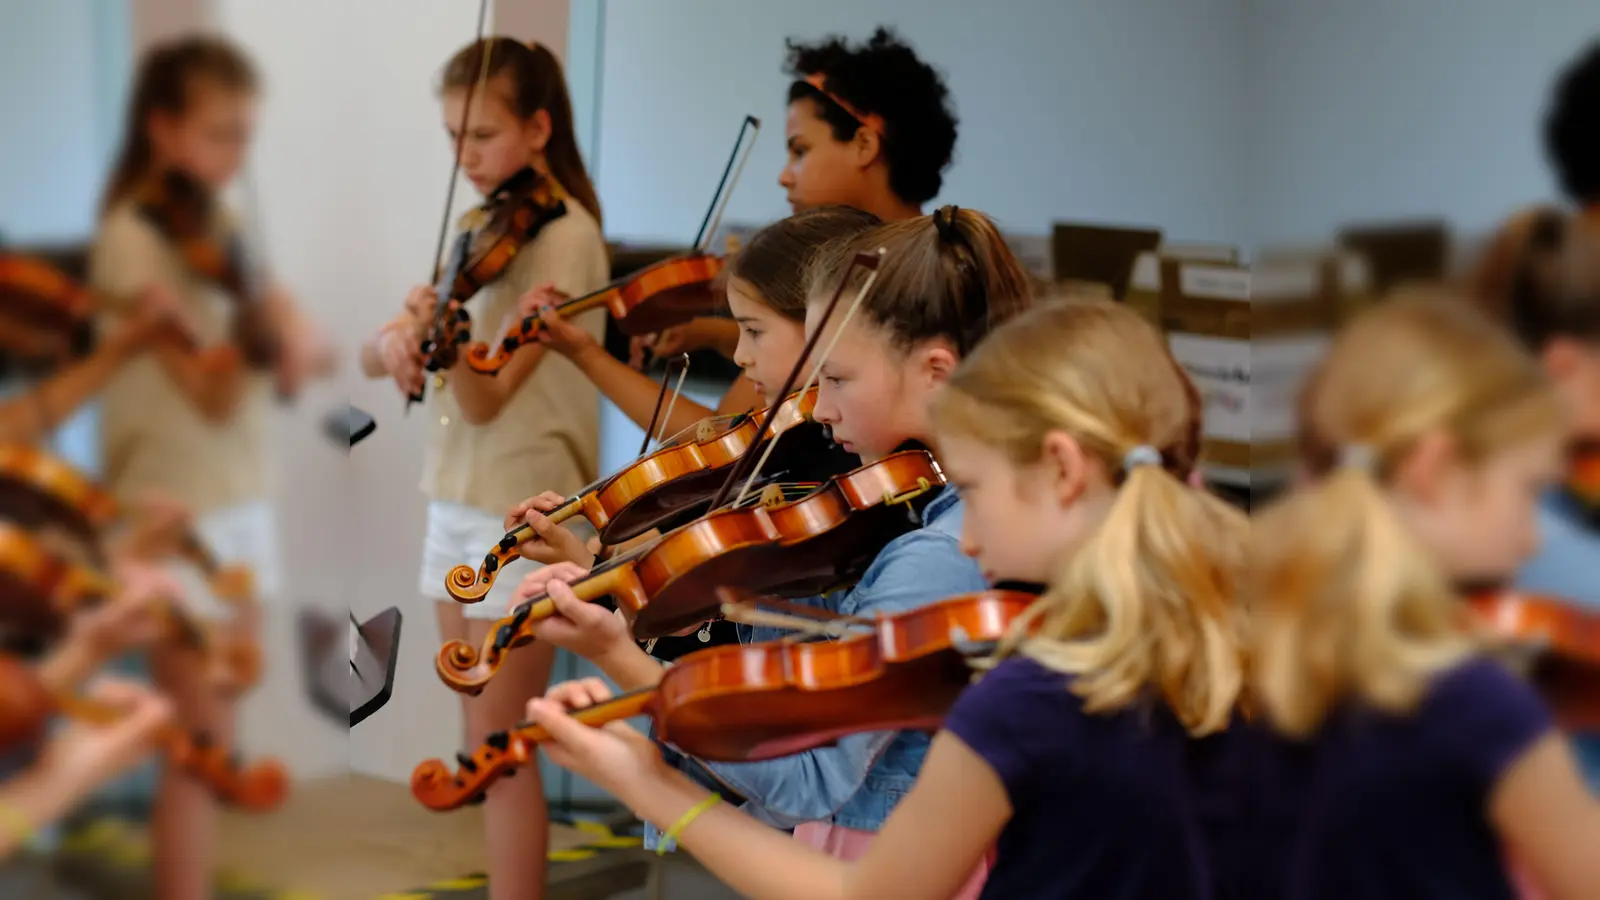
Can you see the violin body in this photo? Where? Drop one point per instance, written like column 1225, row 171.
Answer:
column 46, row 318
column 1584, row 481
column 763, row 701
column 659, row 296
column 786, row 548
column 39, row 588
column 672, row 485
column 1549, row 625
column 37, row 488
column 187, row 213
column 512, row 217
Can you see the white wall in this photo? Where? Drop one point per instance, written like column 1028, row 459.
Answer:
column 1069, row 109
column 352, row 166
column 1376, row 109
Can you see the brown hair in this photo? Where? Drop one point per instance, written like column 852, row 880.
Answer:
column 949, row 275
column 1540, row 276
column 1149, row 603
column 531, row 79
column 166, row 83
column 1348, row 604
column 774, row 261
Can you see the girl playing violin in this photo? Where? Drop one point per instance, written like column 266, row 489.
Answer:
column 1069, row 432
column 765, row 284
column 869, row 127
column 1406, row 757
column 495, row 439
column 192, row 426
column 946, row 280
column 1542, row 280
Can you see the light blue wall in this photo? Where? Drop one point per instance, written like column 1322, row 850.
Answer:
column 1070, row 109
column 1376, row 109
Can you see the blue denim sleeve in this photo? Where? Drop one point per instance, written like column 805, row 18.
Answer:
column 913, row 571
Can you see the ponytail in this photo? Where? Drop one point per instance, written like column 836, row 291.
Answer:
column 1348, row 604
column 1148, row 604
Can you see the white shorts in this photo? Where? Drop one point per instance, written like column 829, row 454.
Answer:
column 246, row 534
column 461, row 535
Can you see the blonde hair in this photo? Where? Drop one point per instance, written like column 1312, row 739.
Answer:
column 1348, row 604
column 1148, row 603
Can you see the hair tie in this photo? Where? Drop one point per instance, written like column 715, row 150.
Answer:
column 946, row 224
column 1142, row 455
column 1358, row 456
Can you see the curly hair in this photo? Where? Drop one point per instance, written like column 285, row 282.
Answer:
column 1572, row 127
column 883, row 77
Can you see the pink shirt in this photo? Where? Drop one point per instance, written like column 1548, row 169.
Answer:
column 850, row 845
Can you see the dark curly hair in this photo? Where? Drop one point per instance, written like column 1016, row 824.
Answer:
column 1572, row 127
column 883, row 77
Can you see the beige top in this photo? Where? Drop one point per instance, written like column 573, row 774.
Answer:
column 152, row 438
column 547, row 436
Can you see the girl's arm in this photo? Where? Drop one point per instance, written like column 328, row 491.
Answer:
column 1544, row 811
column 632, row 391
column 33, row 415
column 927, row 849
column 482, row 397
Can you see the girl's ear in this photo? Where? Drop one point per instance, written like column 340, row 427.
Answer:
column 865, row 147
column 1064, row 466
column 538, row 130
column 1423, row 473
column 939, row 362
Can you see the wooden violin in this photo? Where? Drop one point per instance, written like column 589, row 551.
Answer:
column 675, row 481
column 45, row 317
column 781, row 547
column 37, row 487
column 40, row 589
column 26, row 706
column 188, row 214
column 668, row 293
column 509, row 218
column 1584, row 481
column 762, row 701
column 1548, row 625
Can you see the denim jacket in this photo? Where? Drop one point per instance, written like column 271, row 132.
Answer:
column 857, row 781
column 1568, row 566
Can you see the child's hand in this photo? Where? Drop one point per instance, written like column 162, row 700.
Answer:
column 400, row 348
column 420, row 302
column 131, row 619
column 587, row 629
column 614, row 756
column 556, row 332
column 82, row 757
column 555, row 543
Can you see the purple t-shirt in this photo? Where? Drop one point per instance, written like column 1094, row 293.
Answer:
column 1099, row 802
column 1396, row 807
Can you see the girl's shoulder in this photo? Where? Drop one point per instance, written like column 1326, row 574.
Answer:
column 1482, row 715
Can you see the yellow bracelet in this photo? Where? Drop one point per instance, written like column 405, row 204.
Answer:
column 688, row 817
column 16, row 822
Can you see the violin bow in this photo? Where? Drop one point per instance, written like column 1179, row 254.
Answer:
column 725, row 186
column 748, row 468
column 441, row 288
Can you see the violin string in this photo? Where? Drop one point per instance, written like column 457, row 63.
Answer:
column 811, row 379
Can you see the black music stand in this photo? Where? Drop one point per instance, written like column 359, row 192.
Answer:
column 350, row 684
column 348, row 427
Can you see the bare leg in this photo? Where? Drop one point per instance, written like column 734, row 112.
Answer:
column 515, row 813
column 184, row 822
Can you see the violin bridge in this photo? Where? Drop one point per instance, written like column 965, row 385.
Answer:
column 892, row 499
column 772, row 495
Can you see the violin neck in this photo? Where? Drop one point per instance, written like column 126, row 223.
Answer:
column 622, row 706
column 591, row 300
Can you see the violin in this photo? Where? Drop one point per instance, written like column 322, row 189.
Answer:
column 1584, row 480
column 743, row 703
column 780, row 546
column 187, row 213
column 509, row 218
column 40, row 589
column 45, row 317
column 677, row 480
column 37, row 487
column 26, row 706
column 667, row 293
column 1545, row 624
